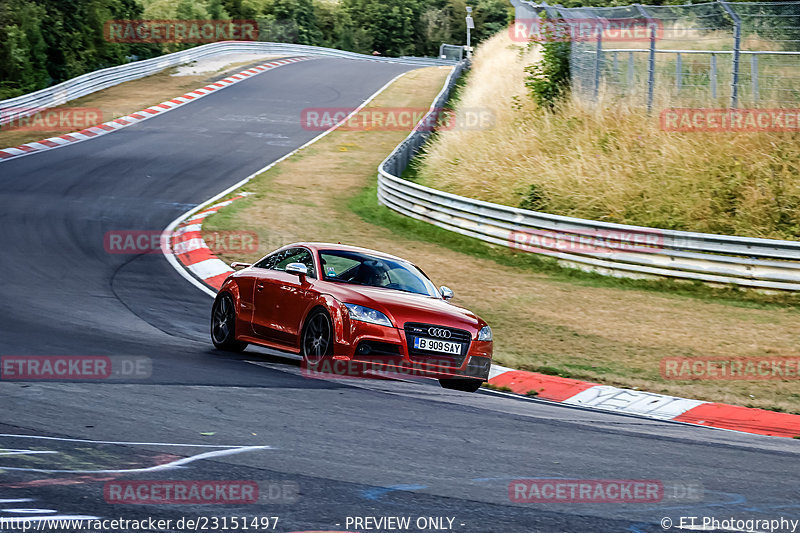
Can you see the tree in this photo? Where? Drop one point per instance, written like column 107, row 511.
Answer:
column 216, row 10
column 390, row 23
column 298, row 18
column 23, row 51
column 435, row 28
column 73, row 44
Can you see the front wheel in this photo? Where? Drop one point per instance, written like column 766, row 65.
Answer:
column 223, row 325
column 465, row 385
column 317, row 340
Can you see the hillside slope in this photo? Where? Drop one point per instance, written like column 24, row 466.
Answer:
column 612, row 162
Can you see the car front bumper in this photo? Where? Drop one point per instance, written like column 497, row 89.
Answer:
column 392, row 349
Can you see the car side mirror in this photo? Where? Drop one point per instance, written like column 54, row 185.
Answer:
column 446, row 292
column 237, row 265
column 297, row 268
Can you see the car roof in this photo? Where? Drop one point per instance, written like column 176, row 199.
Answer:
column 317, row 246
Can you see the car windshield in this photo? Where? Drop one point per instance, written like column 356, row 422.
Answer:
column 363, row 269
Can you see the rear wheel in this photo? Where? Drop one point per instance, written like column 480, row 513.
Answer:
column 466, row 385
column 317, row 341
column 223, row 325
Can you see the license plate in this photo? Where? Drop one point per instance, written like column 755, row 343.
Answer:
column 434, row 345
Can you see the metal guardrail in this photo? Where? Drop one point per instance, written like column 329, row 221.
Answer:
column 615, row 249
column 28, row 104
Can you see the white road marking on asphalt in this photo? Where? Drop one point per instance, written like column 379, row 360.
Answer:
column 65, row 439
column 29, row 511
column 157, row 468
column 24, row 452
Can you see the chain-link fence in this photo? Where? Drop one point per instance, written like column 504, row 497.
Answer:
column 728, row 54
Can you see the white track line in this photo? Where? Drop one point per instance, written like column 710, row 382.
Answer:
column 64, row 439
column 157, row 468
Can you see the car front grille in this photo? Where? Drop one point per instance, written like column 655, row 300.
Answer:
column 433, row 331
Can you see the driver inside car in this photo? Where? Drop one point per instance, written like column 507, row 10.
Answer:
column 371, row 274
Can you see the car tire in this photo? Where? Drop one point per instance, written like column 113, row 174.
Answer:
column 223, row 325
column 465, row 385
column 317, row 339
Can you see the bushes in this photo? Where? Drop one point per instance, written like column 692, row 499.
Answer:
column 44, row 42
column 548, row 80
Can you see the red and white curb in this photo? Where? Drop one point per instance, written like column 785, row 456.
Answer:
column 193, row 253
column 647, row 404
column 128, row 120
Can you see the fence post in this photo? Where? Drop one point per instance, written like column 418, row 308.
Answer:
column 598, row 61
column 678, row 72
column 737, row 43
column 651, row 67
column 550, row 10
column 754, row 77
column 630, row 69
column 713, row 75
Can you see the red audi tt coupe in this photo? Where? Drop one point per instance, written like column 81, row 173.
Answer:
column 330, row 302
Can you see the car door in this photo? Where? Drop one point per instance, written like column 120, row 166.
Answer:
column 279, row 298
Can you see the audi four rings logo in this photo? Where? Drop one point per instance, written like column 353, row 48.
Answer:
column 439, row 332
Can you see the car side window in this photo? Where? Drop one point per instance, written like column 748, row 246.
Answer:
column 269, row 261
column 279, row 260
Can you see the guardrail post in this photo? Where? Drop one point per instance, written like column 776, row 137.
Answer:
column 737, row 44
column 651, row 62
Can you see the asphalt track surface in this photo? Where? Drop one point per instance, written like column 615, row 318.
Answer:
column 351, row 447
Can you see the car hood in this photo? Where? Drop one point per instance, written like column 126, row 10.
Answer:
column 402, row 307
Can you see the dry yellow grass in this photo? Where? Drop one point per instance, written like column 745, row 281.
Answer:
column 612, row 161
column 610, row 335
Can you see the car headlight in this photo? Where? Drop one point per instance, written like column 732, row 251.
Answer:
column 485, row 334
column 365, row 314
